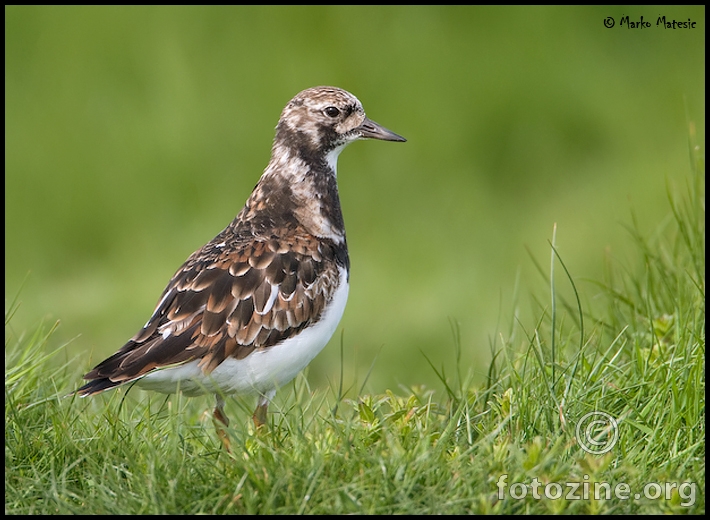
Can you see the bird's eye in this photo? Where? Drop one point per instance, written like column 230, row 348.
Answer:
column 331, row 112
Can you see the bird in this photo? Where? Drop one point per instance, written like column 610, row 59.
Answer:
column 250, row 309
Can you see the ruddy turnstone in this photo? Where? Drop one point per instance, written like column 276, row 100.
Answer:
column 250, row 309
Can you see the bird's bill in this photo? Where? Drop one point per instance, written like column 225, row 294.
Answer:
column 371, row 130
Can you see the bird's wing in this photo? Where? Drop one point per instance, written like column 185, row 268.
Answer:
column 228, row 299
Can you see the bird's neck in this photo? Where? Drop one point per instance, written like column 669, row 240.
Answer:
column 298, row 188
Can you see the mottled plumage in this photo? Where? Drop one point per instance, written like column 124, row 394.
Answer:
column 250, row 309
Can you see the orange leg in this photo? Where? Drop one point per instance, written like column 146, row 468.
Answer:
column 220, row 417
column 259, row 416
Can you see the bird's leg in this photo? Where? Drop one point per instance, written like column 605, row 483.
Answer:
column 220, row 417
column 259, row 416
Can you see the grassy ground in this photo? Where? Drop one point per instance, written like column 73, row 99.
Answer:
column 634, row 349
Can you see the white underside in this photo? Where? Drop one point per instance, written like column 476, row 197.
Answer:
column 262, row 371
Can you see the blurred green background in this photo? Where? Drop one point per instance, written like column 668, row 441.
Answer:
column 134, row 134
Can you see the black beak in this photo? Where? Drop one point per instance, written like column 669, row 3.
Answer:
column 371, row 130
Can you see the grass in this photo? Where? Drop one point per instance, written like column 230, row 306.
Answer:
column 631, row 345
